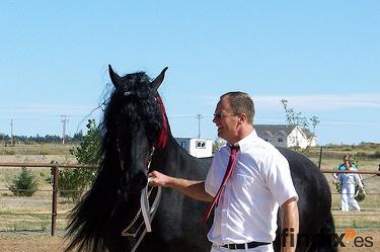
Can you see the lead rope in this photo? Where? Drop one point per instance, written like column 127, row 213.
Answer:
column 146, row 211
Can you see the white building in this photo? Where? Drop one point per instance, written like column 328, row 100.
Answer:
column 286, row 136
column 196, row 147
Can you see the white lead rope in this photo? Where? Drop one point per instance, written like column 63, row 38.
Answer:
column 147, row 212
column 148, row 215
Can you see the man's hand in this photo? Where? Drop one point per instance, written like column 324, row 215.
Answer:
column 156, row 178
column 191, row 188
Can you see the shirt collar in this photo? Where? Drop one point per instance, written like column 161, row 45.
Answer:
column 246, row 142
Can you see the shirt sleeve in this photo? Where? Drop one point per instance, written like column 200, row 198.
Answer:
column 211, row 182
column 279, row 180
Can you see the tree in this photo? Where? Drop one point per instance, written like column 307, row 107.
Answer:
column 296, row 119
column 73, row 182
column 24, row 184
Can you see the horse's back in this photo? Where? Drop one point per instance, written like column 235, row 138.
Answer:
column 314, row 204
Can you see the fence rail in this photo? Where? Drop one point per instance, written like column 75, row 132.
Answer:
column 55, row 172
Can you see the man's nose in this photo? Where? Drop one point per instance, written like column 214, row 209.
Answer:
column 215, row 120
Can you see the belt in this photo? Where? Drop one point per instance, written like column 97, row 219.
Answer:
column 248, row 245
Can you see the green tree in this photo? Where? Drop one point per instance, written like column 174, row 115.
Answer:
column 73, row 182
column 297, row 119
column 24, row 184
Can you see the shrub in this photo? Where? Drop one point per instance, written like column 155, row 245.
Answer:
column 73, row 182
column 24, row 184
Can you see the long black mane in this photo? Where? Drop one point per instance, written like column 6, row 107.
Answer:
column 134, row 122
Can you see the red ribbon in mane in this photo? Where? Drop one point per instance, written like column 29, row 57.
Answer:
column 162, row 139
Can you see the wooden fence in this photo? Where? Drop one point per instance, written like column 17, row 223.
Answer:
column 55, row 172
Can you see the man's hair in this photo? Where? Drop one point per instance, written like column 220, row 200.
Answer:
column 241, row 103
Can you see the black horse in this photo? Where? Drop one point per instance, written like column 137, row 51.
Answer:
column 134, row 124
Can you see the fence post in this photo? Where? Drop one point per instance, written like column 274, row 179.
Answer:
column 320, row 158
column 54, row 173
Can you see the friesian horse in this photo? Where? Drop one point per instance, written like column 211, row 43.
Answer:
column 134, row 124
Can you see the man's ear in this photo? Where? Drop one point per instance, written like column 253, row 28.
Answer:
column 243, row 117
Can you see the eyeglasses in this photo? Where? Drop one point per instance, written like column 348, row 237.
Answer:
column 220, row 115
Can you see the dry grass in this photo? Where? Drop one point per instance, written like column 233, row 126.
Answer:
column 26, row 214
column 37, row 149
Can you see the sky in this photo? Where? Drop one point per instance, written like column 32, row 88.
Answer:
column 322, row 56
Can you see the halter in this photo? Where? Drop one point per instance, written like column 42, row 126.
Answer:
column 135, row 229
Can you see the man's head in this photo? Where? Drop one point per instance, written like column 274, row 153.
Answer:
column 234, row 116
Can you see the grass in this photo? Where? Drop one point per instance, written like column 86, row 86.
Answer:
column 37, row 149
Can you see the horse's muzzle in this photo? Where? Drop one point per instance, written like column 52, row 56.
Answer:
column 135, row 184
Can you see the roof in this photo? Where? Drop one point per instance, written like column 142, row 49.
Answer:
column 275, row 129
column 272, row 129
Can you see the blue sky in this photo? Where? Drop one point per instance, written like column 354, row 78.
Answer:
column 323, row 57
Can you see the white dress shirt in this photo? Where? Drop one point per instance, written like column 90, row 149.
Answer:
column 260, row 183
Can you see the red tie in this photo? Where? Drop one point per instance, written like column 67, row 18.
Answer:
column 230, row 168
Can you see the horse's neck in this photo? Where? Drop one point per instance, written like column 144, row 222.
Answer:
column 175, row 161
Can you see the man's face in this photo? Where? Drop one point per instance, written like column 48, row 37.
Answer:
column 226, row 121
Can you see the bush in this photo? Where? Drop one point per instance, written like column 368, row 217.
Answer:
column 24, row 184
column 73, row 182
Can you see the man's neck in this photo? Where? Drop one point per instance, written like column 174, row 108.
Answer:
column 243, row 133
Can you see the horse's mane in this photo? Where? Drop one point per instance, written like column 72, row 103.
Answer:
column 133, row 103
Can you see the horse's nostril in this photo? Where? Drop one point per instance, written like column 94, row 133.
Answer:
column 141, row 180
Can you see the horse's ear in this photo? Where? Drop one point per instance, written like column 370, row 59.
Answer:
column 115, row 78
column 157, row 82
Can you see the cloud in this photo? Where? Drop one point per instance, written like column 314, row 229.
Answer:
column 311, row 103
column 324, row 102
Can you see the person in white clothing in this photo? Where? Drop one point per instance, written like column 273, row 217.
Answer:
column 245, row 216
column 348, row 182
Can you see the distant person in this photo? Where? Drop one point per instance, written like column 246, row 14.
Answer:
column 348, row 182
column 347, row 162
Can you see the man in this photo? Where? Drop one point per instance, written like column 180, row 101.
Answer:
column 246, row 211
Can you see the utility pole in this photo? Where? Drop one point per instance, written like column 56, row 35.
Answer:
column 199, row 117
column 12, row 139
column 64, row 120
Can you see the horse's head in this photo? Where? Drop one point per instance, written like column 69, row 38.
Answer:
column 135, row 123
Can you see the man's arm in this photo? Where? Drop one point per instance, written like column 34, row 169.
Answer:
column 191, row 188
column 290, row 225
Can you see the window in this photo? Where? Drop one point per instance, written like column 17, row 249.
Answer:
column 280, row 140
column 200, row 144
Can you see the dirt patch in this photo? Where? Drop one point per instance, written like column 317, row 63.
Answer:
column 27, row 242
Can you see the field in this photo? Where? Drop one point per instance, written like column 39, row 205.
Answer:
column 25, row 221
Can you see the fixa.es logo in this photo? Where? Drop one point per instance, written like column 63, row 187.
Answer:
column 348, row 238
column 358, row 241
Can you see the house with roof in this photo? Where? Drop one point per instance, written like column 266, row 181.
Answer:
column 282, row 135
